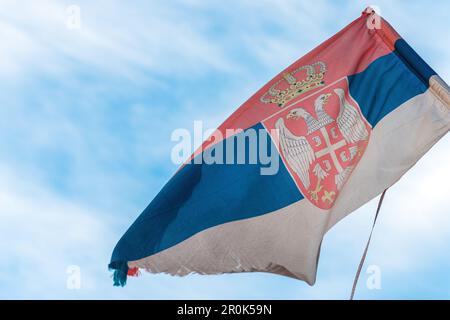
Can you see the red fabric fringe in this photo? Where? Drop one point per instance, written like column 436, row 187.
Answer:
column 133, row 272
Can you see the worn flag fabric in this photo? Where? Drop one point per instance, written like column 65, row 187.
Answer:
column 343, row 123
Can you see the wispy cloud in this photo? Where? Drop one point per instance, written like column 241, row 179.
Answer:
column 42, row 234
column 86, row 117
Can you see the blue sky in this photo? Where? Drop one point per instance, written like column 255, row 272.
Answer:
column 85, row 122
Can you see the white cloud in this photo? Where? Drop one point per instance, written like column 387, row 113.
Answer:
column 126, row 41
column 249, row 41
column 42, row 234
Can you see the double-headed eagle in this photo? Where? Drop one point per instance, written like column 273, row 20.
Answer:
column 297, row 150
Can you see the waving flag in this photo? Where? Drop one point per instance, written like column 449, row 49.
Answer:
column 343, row 123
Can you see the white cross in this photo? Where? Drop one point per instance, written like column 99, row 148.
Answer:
column 331, row 149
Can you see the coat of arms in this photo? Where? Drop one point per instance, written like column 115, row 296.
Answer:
column 321, row 138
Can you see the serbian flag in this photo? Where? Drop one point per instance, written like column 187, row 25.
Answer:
column 339, row 126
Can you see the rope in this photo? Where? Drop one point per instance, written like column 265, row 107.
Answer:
column 363, row 258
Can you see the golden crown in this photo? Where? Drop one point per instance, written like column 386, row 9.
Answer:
column 290, row 86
